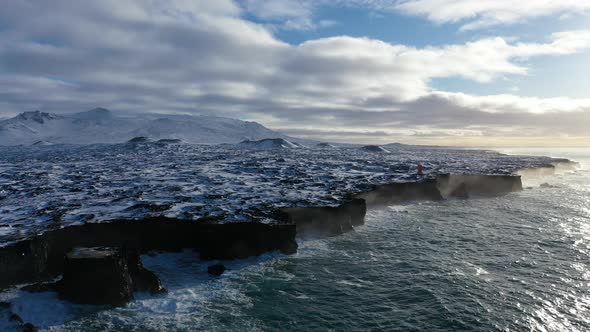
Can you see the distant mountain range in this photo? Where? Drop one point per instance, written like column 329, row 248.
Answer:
column 103, row 126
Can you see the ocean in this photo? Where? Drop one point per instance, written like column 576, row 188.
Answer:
column 519, row 262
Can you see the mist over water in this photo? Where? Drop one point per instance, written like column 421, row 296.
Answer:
column 514, row 263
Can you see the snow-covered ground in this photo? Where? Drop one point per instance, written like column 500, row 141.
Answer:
column 46, row 187
column 103, row 126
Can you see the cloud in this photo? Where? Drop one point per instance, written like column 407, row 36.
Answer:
column 285, row 14
column 471, row 14
column 278, row 9
column 447, row 118
column 204, row 57
column 486, row 13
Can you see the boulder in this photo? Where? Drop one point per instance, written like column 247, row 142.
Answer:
column 96, row 276
column 216, row 269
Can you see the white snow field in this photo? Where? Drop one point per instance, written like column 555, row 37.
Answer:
column 103, row 126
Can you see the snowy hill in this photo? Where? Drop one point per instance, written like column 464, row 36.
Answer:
column 375, row 148
column 103, row 126
column 325, row 145
column 269, row 144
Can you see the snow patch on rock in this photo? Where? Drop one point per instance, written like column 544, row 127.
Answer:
column 375, row 148
column 270, row 144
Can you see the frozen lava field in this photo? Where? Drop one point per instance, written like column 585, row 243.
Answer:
column 48, row 187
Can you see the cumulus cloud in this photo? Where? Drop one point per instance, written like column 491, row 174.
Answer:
column 205, row 57
column 485, row 13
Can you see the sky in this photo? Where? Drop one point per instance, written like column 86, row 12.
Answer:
column 444, row 72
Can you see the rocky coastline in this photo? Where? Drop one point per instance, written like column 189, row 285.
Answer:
column 40, row 260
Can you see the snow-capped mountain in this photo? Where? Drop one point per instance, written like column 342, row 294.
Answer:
column 103, row 126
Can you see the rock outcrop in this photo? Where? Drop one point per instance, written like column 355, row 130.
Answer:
column 18, row 323
column 96, row 276
column 558, row 165
column 216, row 269
column 402, row 192
column 143, row 279
column 327, row 221
column 42, row 257
column 170, row 141
column 140, row 139
column 324, row 145
column 465, row 185
column 101, row 276
column 374, row 148
column 269, row 144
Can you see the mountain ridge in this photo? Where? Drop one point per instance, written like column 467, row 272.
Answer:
column 100, row 125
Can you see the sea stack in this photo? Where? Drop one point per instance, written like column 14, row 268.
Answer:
column 97, row 276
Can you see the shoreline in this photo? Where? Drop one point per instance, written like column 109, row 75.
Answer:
column 40, row 258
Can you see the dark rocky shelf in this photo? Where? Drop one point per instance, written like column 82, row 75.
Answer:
column 114, row 247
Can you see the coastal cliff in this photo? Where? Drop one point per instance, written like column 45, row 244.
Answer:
column 42, row 257
column 329, row 221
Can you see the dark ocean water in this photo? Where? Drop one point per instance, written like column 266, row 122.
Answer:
column 520, row 262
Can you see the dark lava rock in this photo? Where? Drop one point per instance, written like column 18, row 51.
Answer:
column 143, row 279
column 327, row 221
column 375, row 148
column 18, row 321
column 96, row 276
column 39, row 143
column 170, row 141
column 477, row 184
column 325, row 145
column 150, row 207
column 28, row 327
column 41, row 257
column 102, row 261
column 289, row 248
column 16, row 318
column 216, row 269
column 402, row 192
column 40, row 288
column 139, row 139
column 460, row 192
column 270, row 143
column 356, row 209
